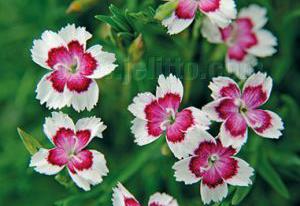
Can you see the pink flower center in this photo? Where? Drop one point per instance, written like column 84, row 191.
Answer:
column 69, row 149
column 212, row 159
column 239, row 36
column 72, row 65
column 170, row 118
column 213, row 163
column 242, row 107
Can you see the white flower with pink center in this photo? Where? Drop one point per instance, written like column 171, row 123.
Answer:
column 158, row 115
column 221, row 12
column 214, row 165
column 121, row 197
column 245, row 38
column 238, row 110
column 73, row 69
column 86, row 167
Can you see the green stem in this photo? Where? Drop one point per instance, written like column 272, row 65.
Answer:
column 189, row 57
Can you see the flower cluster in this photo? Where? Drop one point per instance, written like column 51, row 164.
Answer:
column 70, row 82
column 201, row 157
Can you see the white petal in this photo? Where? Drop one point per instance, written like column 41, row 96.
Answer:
column 224, row 15
column 242, row 69
column 41, row 164
column 183, row 172
column 171, row 84
column 201, row 119
column 87, row 99
column 273, row 132
column 119, row 194
column 80, row 182
column 140, row 131
column 55, row 122
column 176, row 25
column 218, row 84
column 193, row 138
column 94, row 175
column 105, row 62
column 41, row 47
column 244, row 172
column 47, row 94
column 71, row 33
column 228, row 8
column 137, row 108
column 260, row 79
column 257, row 15
column 162, row 199
column 211, row 31
column 95, row 125
column 266, row 43
column 213, row 194
column 228, row 140
column 210, row 110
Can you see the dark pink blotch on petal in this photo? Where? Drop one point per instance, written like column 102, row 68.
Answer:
column 197, row 164
column 170, row 100
column 81, row 161
column 186, row 9
column 83, row 137
column 236, row 125
column 228, row 167
column 226, row 108
column 236, row 52
column 209, row 5
column 226, row 32
column 78, row 83
column 254, row 96
column 58, row 157
column 183, row 121
column 58, row 79
column 64, row 138
column 260, row 120
column 212, row 178
column 224, row 151
column 75, row 49
column 88, row 64
column 231, row 90
column 155, row 116
column 59, row 55
column 131, row 202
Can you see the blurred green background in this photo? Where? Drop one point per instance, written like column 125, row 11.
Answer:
column 143, row 170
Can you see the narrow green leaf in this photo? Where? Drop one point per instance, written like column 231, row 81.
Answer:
column 30, row 143
column 166, row 10
column 270, row 175
column 240, row 194
column 120, row 18
column 108, row 20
